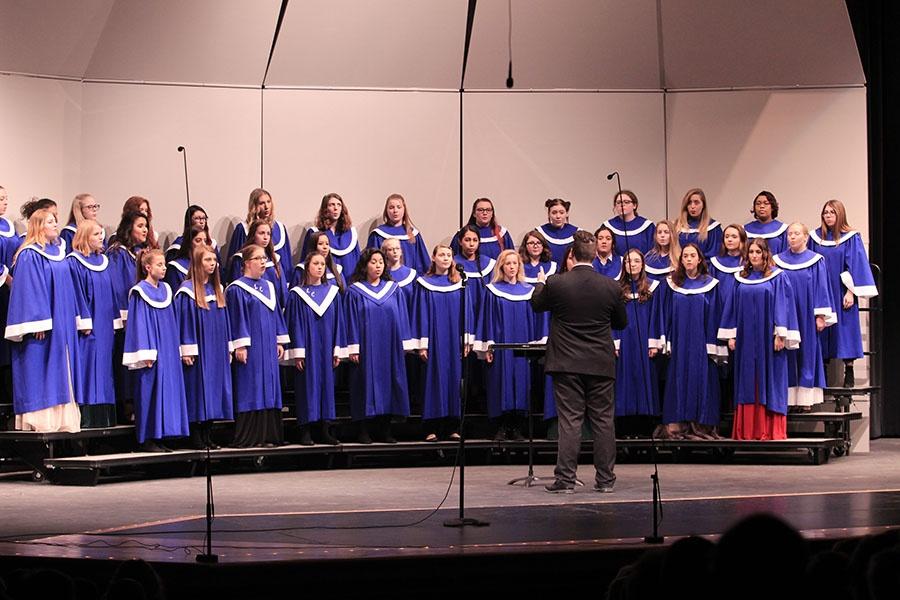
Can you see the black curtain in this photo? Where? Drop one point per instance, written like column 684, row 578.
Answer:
column 876, row 25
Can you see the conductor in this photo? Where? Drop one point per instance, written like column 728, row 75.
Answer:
column 584, row 306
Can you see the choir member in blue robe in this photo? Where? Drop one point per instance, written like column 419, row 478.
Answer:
column 607, row 262
column 319, row 242
column 84, row 206
column 131, row 237
column 179, row 265
column 138, row 204
column 535, row 254
column 401, row 274
column 9, row 243
column 315, row 320
column 729, row 261
column 195, row 217
column 850, row 277
column 7, row 228
column 686, row 319
column 660, row 260
column 97, row 323
column 816, row 310
column 629, row 229
column 259, row 336
column 437, row 330
column 695, row 225
column 759, row 321
column 261, row 235
column 261, row 207
column 334, row 220
column 765, row 225
column 151, row 350
column 637, row 387
column 506, row 316
column 205, row 345
column 398, row 225
column 378, row 335
column 41, row 323
column 557, row 230
column 493, row 237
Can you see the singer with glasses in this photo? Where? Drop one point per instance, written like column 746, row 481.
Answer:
column 84, row 206
column 629, row 229
column 493, row 237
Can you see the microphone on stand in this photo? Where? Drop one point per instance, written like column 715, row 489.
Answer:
column 187, row 189
column 462, row 271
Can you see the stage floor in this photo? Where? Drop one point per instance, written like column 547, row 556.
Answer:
column 361, row 513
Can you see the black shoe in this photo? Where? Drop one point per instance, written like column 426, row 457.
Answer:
column 516, row 435
column 558, row 487
column 388, row 437
column 604, row 488
column 849, row 378
column 500, row 436
column 364, row 437
column 151, row 446
column 305, row 437
column 327, row 437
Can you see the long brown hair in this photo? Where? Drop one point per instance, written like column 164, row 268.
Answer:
column 682, row 222
column 674, row 249
column 330, row 266
column 680, row 274
column 133, row 204
column 198, row 277
column 840, row 220
column 452, row 274
column 742, row 234
column 255, row 195
column 343, row 222
column 406, row 222
column 270, row 247
column 495, row 227
column 545, row 247
column 641, row 282
column 763, row 245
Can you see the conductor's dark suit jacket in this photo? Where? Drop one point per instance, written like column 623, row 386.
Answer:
column 584, row 307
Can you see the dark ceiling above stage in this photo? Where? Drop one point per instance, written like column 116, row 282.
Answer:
column 581, row 44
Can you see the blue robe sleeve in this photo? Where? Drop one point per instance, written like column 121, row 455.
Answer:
column 507, row 243
column 351, row 312
column 786, row 324
column 403, row 323
column 140, row 338
column 304, row 246
column 660, row 318
column 484, row 328
column 30, row 308
column 730, row 311
column 825, row 304
column 422, row 259
column 282, row 338
column 186, row 313
column 121, row 275
column 84, row 313
column 857, row 274
column 235, row 268
column 296, row 328
column 374, row 240
column 454, row 244
column 340, row 327
column 238, row 318
column 714, row 348
column 419, row 316
column 237, row 239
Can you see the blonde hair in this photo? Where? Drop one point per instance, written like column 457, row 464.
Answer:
column 197, row 277
column 682, row 222
column 674, row 250
column 144, row 258
column 81, row 242
column 452, row 273
column 255, row 195
column 406, row 221
column 498, row 268
column 35, row 233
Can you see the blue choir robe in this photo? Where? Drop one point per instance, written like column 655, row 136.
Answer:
column 280, row 282
column 638, row 233
column 405, row 277
column 4, row 308
column 123, row 274
column 257, row 324
column 713, row 241
column 160, row 408
column 315, row 321
column 297, row 275
column 848, row 269
column 686, row 319
column 723, row 268
column 205, row 335
column 175, row 246
column 344, row 248
column 378, row 331
column 99, row 314
column 280, row 241
column 809, row 281
column 436, row 328
column 490, row 244
column 774, row 232
column 657, row 267
column 478, row 275
column 8, row 233
column 67, row 234
column 177, row 270
column 416, row 254
column 611, row 267
column 506, row 317
column 541, row 333
column 637, row 385
column 760, row 308
column 559, row 239
column 45, row 372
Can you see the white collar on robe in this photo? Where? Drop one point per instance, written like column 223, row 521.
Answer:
column 12, row 228
column 154, row 303
column 104, row 262
column 410, row 277
column 816, row 257
column 814, row 234
column 394, row 236
column 384, row 292
column 712, row 225
column 631, row 232
column 318, row 307
column 492, row 238
column 713, row 282
column 653, row 285
column 553, row 240
column 781, row 228
column 551, row 270
column 353, row 245
column 514, row 297
column 187, row 288
column 715, row 261
column 434, row 287
column 772, row 275
column 269, row 302
column 42, row 252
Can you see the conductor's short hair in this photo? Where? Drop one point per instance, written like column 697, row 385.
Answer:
column 584, row 246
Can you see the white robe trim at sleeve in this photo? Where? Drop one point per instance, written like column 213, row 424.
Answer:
column 104, row 262
column 15, row 333
column 860, row 291
column 269, row 302
column 154, row 303
column 135, row 360
column 189, row 350
column 513, row 297
column 319, row 309
column 354, row 243
column 791, row 337
column 240, row 343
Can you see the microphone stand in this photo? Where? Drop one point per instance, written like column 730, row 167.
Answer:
column 462, row 520
column 654, row 538
column 208, row 557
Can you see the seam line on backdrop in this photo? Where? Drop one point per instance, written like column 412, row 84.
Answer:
column 262, row 88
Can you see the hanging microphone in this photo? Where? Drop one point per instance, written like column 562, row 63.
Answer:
column 187, row 189
column 509, row 77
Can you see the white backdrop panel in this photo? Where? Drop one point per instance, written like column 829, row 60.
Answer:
column 131, row 133
column 805, row 147
column 40, row 121
column 363, row 146
column 524, row 148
